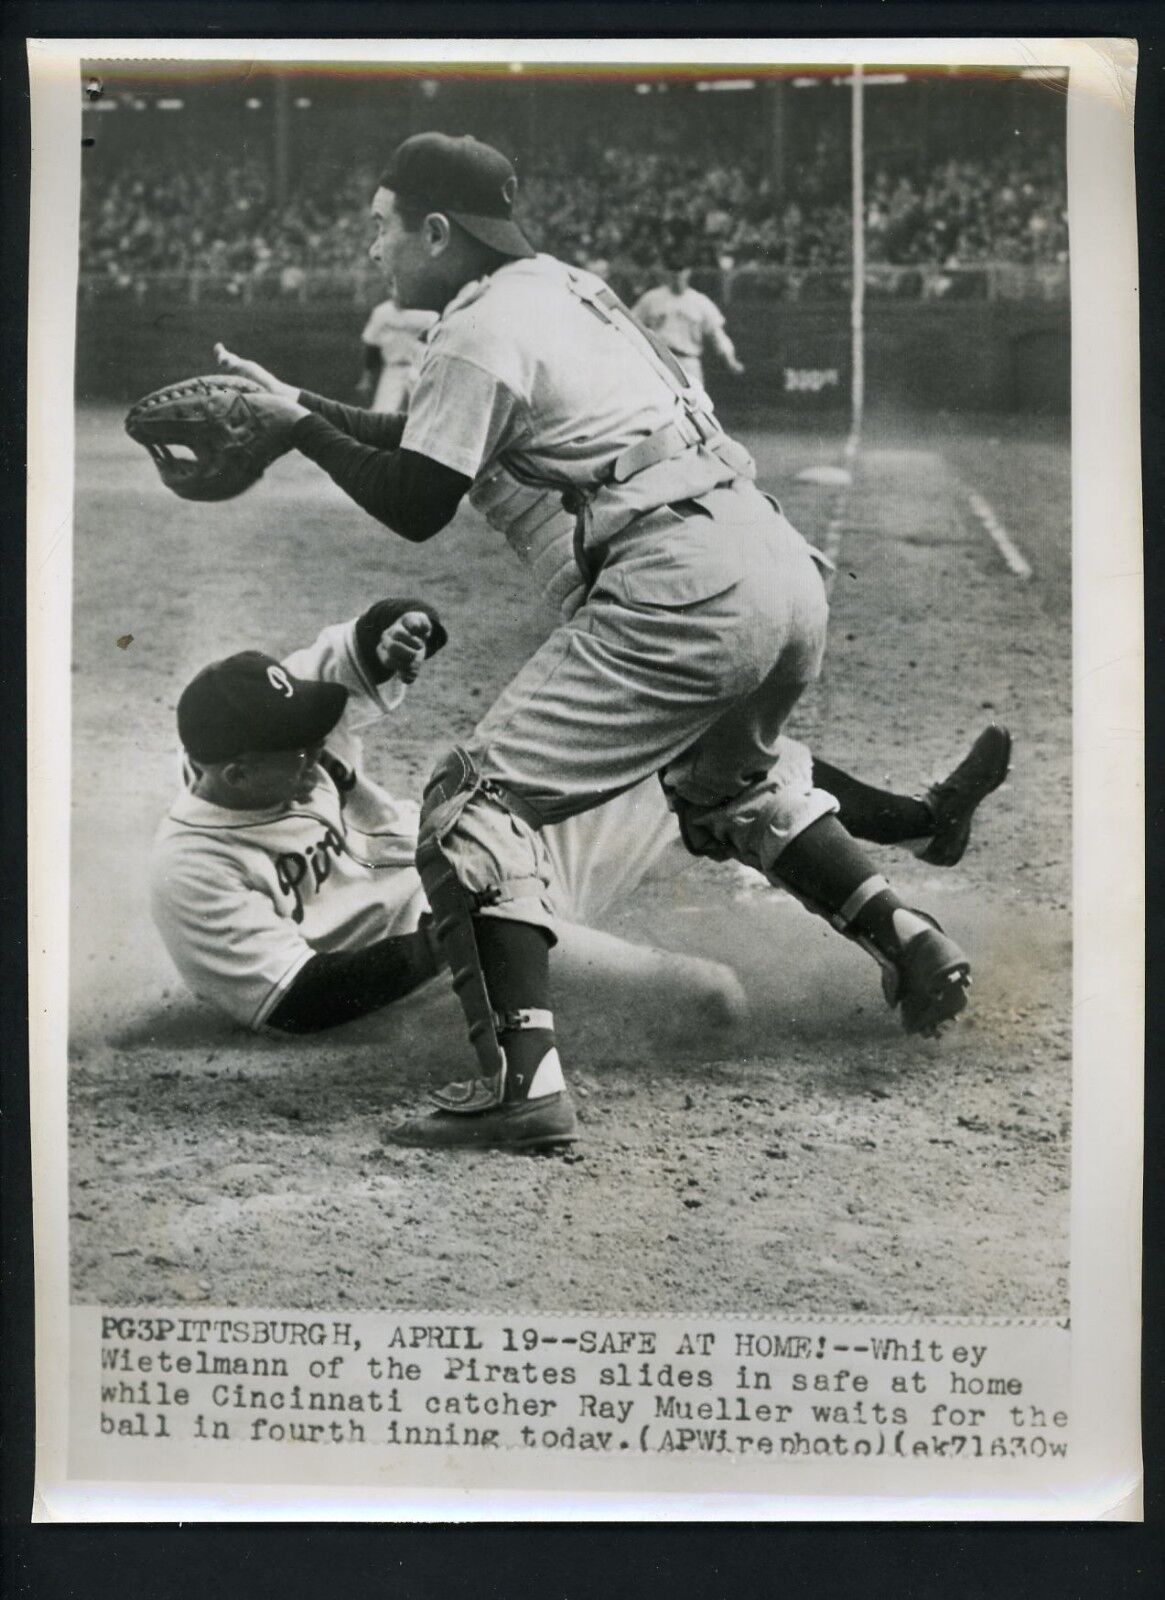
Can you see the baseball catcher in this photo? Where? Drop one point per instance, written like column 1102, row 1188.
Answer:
column 693, row 618
column 283, row 881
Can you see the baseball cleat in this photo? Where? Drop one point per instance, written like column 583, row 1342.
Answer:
column 954, row 800
column 929, row 981
column 525, row 1125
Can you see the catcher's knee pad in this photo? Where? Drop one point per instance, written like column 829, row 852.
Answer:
column 757, row 824
column 479, row 854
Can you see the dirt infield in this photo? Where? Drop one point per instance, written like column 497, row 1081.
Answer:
column 813, row 1161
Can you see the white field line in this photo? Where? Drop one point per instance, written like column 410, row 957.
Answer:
column 1004, row 543
column 835, row 527
column 831, row 543
column 813, row 707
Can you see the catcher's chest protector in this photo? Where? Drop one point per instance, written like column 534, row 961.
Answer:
column 685, row 459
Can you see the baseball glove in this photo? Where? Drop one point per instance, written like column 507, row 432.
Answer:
column 207, row 441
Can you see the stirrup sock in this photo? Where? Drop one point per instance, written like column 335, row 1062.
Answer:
column 533, row 1068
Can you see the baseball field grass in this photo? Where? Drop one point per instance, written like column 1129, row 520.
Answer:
column 813, row 1160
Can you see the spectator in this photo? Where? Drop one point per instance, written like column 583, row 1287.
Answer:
column 599, row 205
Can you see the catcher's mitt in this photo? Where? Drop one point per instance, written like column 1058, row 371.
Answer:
column 207, row 441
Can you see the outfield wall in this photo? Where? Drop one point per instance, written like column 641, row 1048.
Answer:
column 920, row 355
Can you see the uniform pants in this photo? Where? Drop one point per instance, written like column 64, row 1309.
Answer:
column 705, row 624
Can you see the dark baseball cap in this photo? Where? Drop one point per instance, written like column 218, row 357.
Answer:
column 250, row 702
column 469, row 181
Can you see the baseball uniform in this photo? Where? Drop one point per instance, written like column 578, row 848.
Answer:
column 244, row 899
column 398, row 336
column 683, row 321
column 687, row 597
column 693, row 618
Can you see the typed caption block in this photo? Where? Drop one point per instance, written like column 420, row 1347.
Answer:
column 196, row 1394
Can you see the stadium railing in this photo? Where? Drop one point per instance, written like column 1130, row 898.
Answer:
column 985, row 281
column 730, row 286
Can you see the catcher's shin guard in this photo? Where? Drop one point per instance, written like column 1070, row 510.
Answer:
column 455, row 905
column 928, row 977
column 452, row 908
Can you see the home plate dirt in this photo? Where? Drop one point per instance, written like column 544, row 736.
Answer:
column 811, row 1159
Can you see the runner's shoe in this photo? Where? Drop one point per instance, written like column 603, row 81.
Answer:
column 955, row 799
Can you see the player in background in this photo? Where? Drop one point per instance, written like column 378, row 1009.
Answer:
column 687, row 321
column 393, row 347
column 693, row 618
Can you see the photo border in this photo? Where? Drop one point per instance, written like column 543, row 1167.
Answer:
column 1116, row 1096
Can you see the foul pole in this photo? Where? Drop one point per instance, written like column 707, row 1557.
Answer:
column 858, row 294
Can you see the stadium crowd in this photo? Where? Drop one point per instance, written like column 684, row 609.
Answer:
column 620, row 212
column 637, row 209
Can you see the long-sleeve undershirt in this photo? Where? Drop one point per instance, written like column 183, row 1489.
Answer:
column 382, row 429
column 360, row 451
column 345, row 984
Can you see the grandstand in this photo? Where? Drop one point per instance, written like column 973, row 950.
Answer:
column 213, row 189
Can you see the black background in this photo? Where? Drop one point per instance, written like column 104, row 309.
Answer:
column 733, row 1561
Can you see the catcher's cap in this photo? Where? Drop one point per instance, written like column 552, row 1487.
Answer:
column 469, row 181
column 249, row 702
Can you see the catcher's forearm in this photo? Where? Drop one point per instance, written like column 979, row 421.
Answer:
column 346, row 984
column 381, row 429
column 412, row 494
